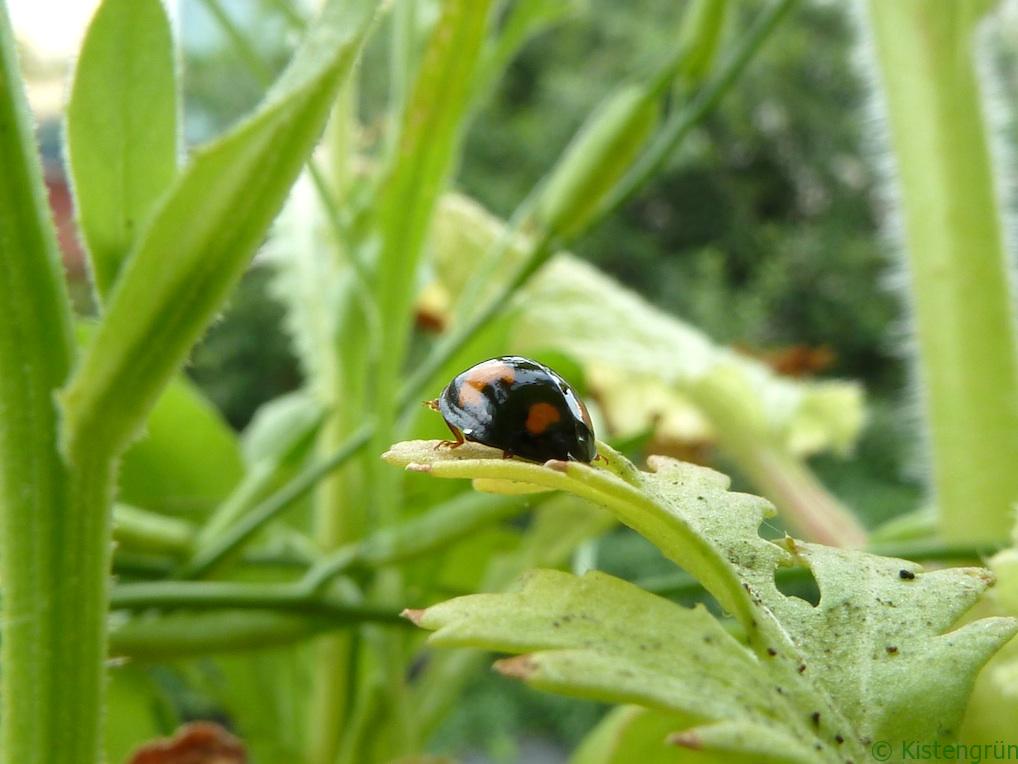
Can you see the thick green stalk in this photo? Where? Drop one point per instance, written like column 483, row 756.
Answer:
column 54, row 550
column 959, row 284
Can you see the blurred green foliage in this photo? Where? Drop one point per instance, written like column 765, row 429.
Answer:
column 762, row 231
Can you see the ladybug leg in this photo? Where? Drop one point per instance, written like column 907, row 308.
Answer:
column 460, row 440
column 507, row 454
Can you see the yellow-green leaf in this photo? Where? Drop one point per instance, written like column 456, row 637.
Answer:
column 121, row 129
column 201, row 238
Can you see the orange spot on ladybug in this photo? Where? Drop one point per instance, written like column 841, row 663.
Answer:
column 482, row 375
column 470, row 396
column 540, row 417
column 488, row 373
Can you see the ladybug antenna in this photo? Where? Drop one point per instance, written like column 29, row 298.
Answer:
column 432, row 404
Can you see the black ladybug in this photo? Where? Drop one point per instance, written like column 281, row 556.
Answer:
column 519, row 406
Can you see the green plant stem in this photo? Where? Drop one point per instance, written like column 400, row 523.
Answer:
column 959, row 283
column 173, row 635
column 402, row 57
column 54, row 555
column 338, row 521
column 216, row 595
column 338, row 515
column 143, row 531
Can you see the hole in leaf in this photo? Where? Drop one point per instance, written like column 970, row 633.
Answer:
column 798, row 581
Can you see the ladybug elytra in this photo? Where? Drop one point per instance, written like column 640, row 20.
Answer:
column 519, row 406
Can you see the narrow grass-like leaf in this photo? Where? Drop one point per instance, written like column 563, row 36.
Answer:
column 599, row 154
column 201, row 237
column 830, row 676
column 121, row 129
column 426, row 153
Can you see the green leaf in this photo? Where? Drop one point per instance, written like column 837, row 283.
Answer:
column 139, row 711
column 268, row 693
column 632, row 733
column 810, row 683
column 201, row 238
column 121, row 129
column 184, row 471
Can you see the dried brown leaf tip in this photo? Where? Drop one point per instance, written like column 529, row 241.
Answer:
column 414, row 615
column 195, row 743
column 686, row 739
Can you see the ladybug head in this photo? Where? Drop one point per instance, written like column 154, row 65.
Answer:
column 586, row 445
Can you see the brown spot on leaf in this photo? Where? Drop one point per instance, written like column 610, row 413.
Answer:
column 520, row 667
column 195, row 743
